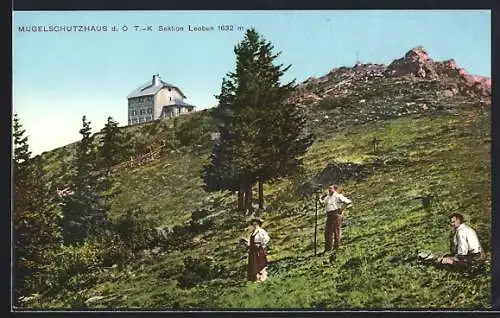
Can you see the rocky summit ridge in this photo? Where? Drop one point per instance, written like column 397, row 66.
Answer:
column 413, row 84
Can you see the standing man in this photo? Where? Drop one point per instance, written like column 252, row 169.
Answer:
column 335, row 203
column 467, row 249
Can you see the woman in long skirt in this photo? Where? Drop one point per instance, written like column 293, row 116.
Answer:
column 257, row 257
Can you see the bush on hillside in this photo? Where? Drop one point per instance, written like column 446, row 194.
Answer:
column 198, row 270
column 330, row 103
column 180, row 238
column 134, row 229
column 116, row 251
column 68, row 262
column 200, row 221
column 195, row 130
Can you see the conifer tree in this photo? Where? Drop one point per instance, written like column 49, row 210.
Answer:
column 84, row 211
column 266, row 133
column 112, row 149
column 35, row 215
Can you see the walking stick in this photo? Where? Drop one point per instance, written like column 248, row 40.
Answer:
column 315, row 224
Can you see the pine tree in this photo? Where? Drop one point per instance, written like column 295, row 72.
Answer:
column 35, row 215
column 221, row 173
column 230, row 165
column 282, row 134
column 113, row 149
column 264, row 134
column 21, row 168
column 84, row 211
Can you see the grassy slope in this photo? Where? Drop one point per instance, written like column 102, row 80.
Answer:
column 445, row 155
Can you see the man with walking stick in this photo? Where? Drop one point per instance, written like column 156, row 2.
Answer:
column 335, row 204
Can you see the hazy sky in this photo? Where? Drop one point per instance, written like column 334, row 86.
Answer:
column 60, row 76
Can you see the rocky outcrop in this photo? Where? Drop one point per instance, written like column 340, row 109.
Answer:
column 417, row 62
column 334, row 173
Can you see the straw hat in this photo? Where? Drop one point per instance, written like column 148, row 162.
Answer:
column 256, row 220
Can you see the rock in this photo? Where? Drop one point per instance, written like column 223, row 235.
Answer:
column 448, row 93
column 29, row 298
column 94, row 299
column 416, row 62
column 334, row 173
column 156, row 250
column 163, row 232
column 215, row 136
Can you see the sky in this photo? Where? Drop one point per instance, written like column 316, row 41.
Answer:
column 60, row 76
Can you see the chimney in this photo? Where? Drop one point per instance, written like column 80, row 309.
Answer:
column 156, row 79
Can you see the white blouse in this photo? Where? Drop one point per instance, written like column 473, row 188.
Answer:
column 261, row 237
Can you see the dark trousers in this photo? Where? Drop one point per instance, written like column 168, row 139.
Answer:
column 332, row 229
column 470, row 259
column 467, row 261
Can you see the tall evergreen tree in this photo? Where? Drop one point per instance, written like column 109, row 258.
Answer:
column 230, row 164
column 35, row 216
column 112, row 149
column 84, row 211
column 265, row 133
column 21, row 168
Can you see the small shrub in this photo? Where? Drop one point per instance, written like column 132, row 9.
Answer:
column 195, row 129
column 199, row 221
column 199, row 214
column 116, row 251
column 173, row 268
column 70, row 261
column 198, row 270
column 201, row 226
column 134, row 230
column 179, row 238
column 330, row 103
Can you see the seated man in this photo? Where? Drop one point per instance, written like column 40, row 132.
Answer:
column 467, row 249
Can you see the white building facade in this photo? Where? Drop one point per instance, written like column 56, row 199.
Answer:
column 155, row 100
